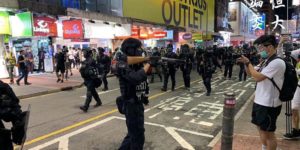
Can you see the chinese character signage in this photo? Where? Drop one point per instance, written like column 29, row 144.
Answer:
column 72, row 29
column 4, row 23
column 21, row 24
column 44, row 26
column 258, row 22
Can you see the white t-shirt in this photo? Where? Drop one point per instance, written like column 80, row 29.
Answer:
column 266, row 94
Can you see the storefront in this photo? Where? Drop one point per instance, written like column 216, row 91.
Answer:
column 5, row 30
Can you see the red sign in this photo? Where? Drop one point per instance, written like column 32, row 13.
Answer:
column 44, row 26
column 135, row 32
column 160, row 34
column 72, row 29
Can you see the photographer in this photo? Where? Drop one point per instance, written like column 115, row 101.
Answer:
column 133, row 87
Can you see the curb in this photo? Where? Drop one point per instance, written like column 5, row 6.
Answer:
column 50, row 91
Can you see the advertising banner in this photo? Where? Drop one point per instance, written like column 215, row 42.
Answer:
column 98, row 30
column 4, row 23
column 21, row 24
column 72, row 29
column 44, row 26
column 187, row 14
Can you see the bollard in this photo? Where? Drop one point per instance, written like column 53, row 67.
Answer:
column 228, row 121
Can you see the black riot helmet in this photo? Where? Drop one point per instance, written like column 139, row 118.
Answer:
column 131, row 47
column 169, row 48
column 87, row 52
column 185, row 49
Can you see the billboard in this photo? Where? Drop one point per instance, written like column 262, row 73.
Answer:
column 44, row 26
column 187, row 14
column 21, row 24
column 72, row 29
column 4, row 23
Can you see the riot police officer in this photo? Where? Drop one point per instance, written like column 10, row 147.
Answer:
column 229, row 61
column 90, row 74
column 207, row 69
column 133, row 86
column 169, row 68
column 103, row 62
column 156, row 66
column 187, row 66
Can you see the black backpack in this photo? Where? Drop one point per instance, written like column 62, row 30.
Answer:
column 290, row 81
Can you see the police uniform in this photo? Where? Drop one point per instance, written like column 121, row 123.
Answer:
column 90, row 82
column 207, row 69
column 104, row 64
column 156, row 67
column 187, row 66
column 169, row 69
column 133, row 87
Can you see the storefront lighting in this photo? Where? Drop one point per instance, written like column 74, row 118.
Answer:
column 105, row 22
column 119, row 25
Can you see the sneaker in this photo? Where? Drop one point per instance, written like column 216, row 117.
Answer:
column 104, row 89
column 84, row 109
column 57, row 80
column 294, row 135
column 27, row 83
column 18, row 83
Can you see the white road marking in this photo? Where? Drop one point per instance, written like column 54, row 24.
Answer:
column 241, row 93
column 64, row 140
column 248, row 84
column 59, row 139
column 204, row 123
column 103, row 92
column 64, row 144
column 179, row 139
column 176, row 118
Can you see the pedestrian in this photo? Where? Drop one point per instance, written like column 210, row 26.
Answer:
column 60, row 59
column 29, row 62
column 22, row 68
column 186, row 67
column 10, row 62
column 133, row 80
column 295, row 108
column 68, row 68
column 89, row 73
column 103, row 61
column 41, row 56
column 169, row 69
column 77, row 58
column 267, row 106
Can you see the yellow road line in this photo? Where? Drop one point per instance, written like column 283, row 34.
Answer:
column 87, row 121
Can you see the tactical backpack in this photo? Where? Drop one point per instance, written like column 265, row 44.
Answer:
column 290, row 81
column 90, row 72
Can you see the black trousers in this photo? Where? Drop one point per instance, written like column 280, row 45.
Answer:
column 166, row 78
column 207, row 82
column 104, row 80
column 24, row 74
column 186, row 77
column 228, row 69
column 5, row 138
column 135, row 138
column 41, row 65
column 157, row 71
column 91, row 92
column 242, row 72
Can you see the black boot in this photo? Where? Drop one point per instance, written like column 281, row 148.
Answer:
column 83, row 108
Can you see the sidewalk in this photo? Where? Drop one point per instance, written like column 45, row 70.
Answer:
column 246, row 135
column 45, row 83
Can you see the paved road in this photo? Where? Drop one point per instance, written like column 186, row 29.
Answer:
column 173, row 120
